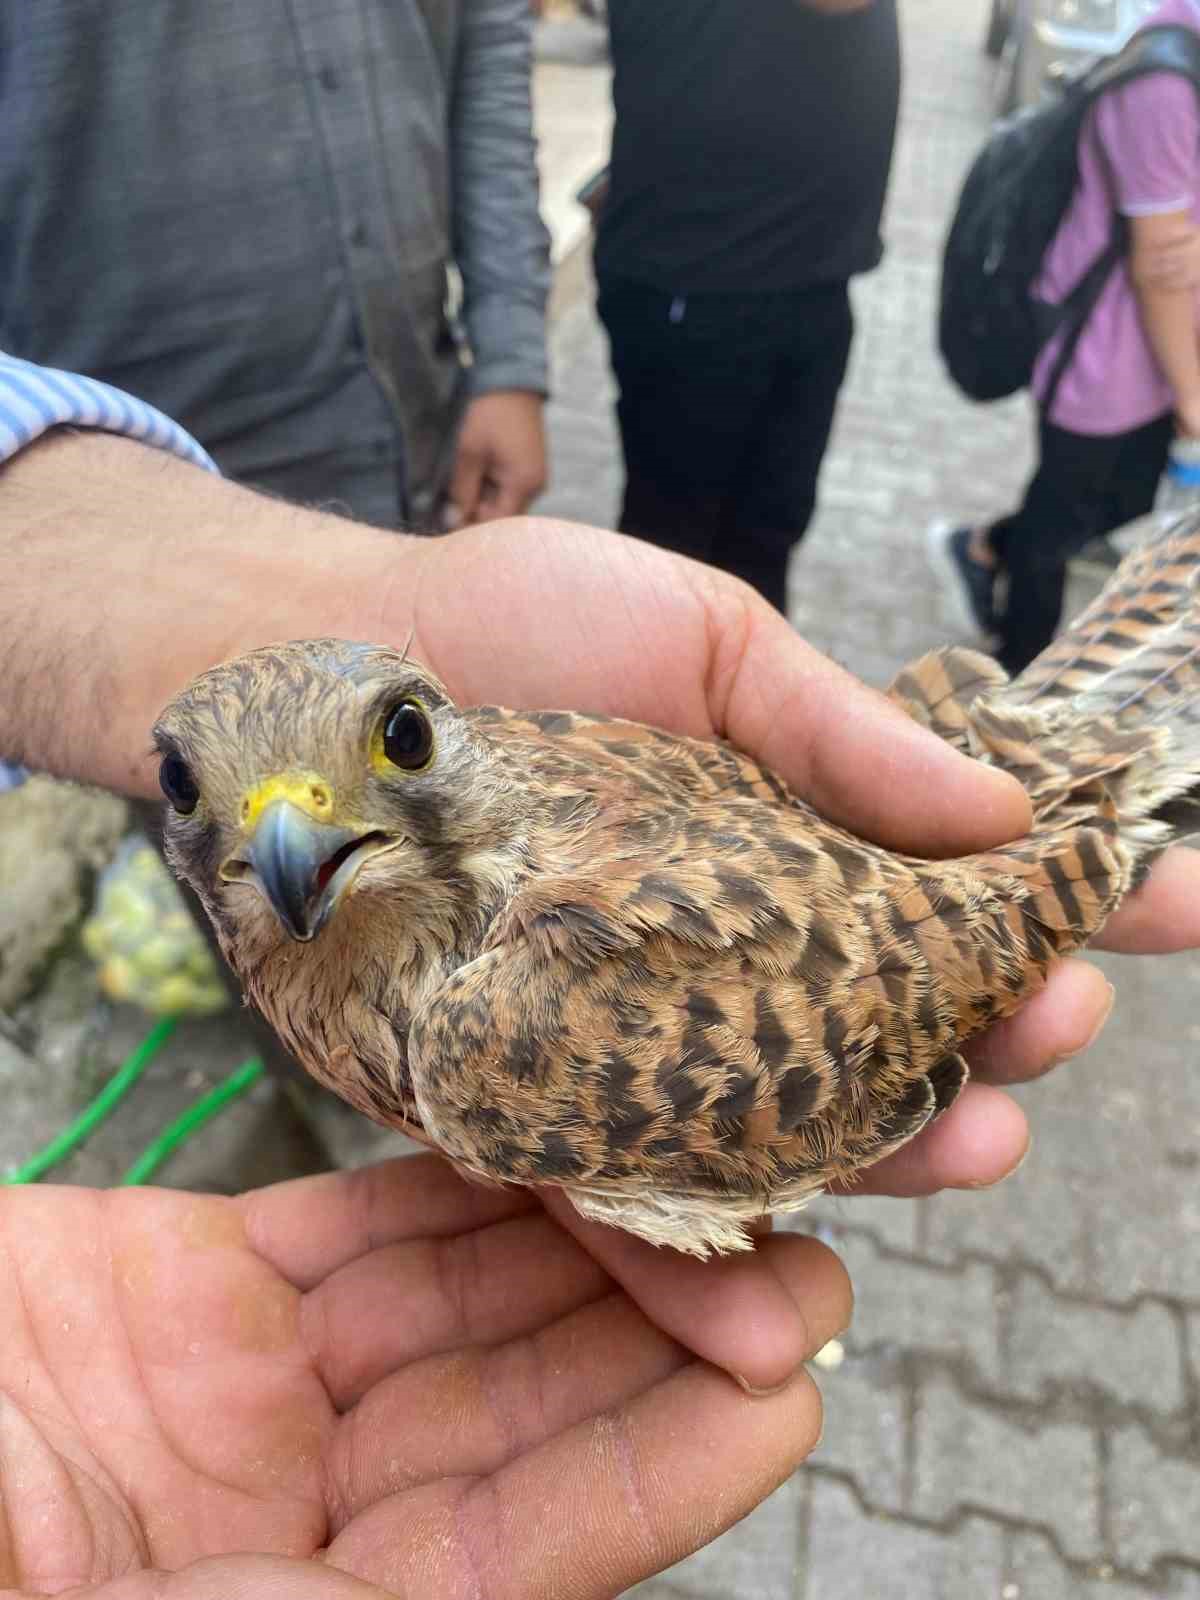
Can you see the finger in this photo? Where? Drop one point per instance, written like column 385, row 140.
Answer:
column 597, row 1508
column 429, row 1296
column 466, row 482
column 309, row 1227
column 745, row 1313
column 856, row 757
column 1164, row 914
column 501, row 500
column 1059, row 1022
column 232, row 1578
column 470, row 1412
column 507, row 490
column 981, row 1139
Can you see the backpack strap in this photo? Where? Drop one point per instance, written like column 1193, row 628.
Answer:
column 1170, row 47
column 1074, row 311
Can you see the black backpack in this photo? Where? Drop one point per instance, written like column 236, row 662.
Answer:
column 1016, row 193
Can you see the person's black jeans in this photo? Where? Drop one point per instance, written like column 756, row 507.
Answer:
column 725, row 406
column 1085, row 485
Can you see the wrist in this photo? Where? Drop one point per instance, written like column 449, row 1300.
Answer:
column 162, row 570
column 533, row 398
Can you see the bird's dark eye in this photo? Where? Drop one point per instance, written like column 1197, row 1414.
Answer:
column 408, row 736
column 177, row 783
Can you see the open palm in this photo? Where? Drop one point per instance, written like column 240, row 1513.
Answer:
column 386, row 1378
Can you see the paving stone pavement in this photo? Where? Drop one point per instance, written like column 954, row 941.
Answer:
column 1018, row 1413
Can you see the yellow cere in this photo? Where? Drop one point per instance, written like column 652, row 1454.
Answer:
column 307, row 791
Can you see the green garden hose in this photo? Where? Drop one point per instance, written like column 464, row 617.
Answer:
column 114, row 1091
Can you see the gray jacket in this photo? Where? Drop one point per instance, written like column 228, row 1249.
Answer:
column 248, row 214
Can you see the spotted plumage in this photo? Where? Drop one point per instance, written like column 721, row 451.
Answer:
column 575, row 950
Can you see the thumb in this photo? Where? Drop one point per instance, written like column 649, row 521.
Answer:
column 859, row 759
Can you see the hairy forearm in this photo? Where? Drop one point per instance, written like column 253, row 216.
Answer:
column 1169, row 317
column 123, row 572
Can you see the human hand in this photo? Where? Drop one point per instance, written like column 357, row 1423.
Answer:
column 379, row 1382
column 528, row 613
column 501, row 462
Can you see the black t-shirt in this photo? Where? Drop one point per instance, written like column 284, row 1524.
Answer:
column 752, row 143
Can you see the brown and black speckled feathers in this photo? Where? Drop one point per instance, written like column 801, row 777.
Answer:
column 939, row 690
column 1118, row 693
column 961, row 942
column 755, row 1006
column 1133, row 652
column 636, row 966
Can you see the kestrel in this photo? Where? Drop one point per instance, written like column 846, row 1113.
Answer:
column 578, row 951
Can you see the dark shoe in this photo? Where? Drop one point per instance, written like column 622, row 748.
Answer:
column 967, row 583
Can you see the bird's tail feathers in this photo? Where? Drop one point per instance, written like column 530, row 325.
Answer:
column 1115, row 698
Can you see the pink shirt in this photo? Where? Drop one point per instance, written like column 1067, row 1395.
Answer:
column 1139, row 154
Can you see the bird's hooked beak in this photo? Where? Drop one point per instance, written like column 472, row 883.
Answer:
column 298, row 858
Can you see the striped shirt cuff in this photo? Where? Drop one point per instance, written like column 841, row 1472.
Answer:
column 34, row 399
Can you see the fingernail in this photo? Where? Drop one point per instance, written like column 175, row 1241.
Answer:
column 761, row 1394
column 451, row 517
column 1069, row 1055
column 990, row 1183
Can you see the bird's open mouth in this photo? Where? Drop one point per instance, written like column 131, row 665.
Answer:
column 356, row 851
column 302, row 867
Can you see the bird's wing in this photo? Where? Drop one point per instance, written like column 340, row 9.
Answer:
column 939, row 689
column 700, row 1028
column 661, row 763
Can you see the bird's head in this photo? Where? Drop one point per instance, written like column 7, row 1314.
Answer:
column 304, row 777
